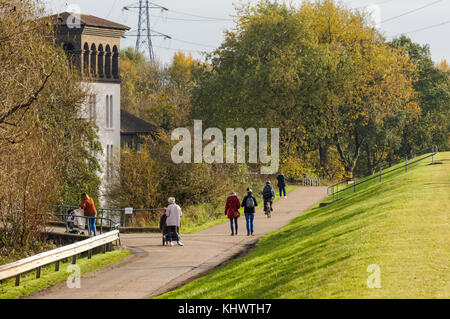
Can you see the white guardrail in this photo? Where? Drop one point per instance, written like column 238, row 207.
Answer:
column 19, row 267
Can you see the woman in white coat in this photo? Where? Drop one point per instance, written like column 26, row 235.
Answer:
column 173, row 213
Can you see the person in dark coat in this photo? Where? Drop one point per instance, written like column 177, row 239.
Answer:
column 232, row 211
column 281, row 184
column 249, row 203
column 268, row 194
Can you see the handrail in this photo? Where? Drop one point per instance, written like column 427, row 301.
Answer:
column 434, row 151
column 15, row 269
column 112, row 224
column 102, row 210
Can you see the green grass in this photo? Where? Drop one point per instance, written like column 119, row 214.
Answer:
column 29, row 284
column 400, row 224
column 190, row 226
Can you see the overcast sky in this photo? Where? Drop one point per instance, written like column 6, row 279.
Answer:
column 199, row 25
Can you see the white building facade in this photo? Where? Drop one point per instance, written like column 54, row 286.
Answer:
column 94, row 46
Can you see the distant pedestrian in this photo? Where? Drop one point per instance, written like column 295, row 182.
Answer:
column 281, row 184
column 249, row 203
column 87, row 204
column 173, row 221
column 232, row 211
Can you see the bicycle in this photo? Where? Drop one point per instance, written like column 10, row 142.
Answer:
column 267, row 209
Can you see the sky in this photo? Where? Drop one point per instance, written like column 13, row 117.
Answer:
column 197, row 26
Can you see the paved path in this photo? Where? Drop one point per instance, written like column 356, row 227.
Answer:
column 153, row 269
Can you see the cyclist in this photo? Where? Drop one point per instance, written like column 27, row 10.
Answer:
column 268, row 194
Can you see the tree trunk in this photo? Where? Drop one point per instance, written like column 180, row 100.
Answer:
column 323, row 153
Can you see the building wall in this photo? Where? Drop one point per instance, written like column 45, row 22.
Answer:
column 109, row 137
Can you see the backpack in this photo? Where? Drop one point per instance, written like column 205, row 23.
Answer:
column 249, row 203
column 267, row 192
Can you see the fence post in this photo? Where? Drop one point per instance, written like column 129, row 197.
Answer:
column 354, row 184
column 406, row 163
column 432, row 154
column 74, row 259
column 381, row 173
column 38, row 273
column 57, row 266
column 17, row 280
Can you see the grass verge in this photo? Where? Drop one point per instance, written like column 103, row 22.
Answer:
column 29, row 284
column 393, row 235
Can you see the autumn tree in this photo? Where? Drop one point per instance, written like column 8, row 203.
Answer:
column 154, row 92
column 46, row 149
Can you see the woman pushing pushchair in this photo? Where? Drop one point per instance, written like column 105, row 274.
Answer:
column 170, row 223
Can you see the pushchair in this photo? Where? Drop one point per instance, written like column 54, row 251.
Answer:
column 166, row 239
column 73, row 223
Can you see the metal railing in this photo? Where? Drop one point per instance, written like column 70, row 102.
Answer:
column 17, row 268
column 334, row 190
column 116, row 215
column 311, row 181
column 111, row 224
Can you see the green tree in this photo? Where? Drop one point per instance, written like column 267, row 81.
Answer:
column 433, row 87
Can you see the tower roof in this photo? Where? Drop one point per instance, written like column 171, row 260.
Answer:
column 87, row 20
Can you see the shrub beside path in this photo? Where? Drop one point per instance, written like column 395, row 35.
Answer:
column 154, row 269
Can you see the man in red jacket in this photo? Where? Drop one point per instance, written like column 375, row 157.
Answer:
column 232, row 211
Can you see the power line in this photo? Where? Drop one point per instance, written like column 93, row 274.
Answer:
column 424, row 28
column 199, row 16
column 411, row 11
column 195, row 20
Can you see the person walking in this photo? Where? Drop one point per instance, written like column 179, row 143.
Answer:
column 232, row 206
column 88, row 206
column 173, row 221
column 249, row 203
column 281, row 184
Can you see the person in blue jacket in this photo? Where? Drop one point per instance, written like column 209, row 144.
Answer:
column 249, row 203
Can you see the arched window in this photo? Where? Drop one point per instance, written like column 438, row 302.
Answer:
column 100, row 59
column 93, row 60
column 108, row 61
column 115, row 63
column 86, row 59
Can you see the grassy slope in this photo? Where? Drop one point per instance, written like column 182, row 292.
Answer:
column 192, row 227
column 400, row 224
column 29, row 283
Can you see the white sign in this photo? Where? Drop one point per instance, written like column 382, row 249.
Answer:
column 129, row 210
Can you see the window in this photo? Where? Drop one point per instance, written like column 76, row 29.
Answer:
column 111, row 117
column 109, row 160
column 92, row 105
column 109, row 111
